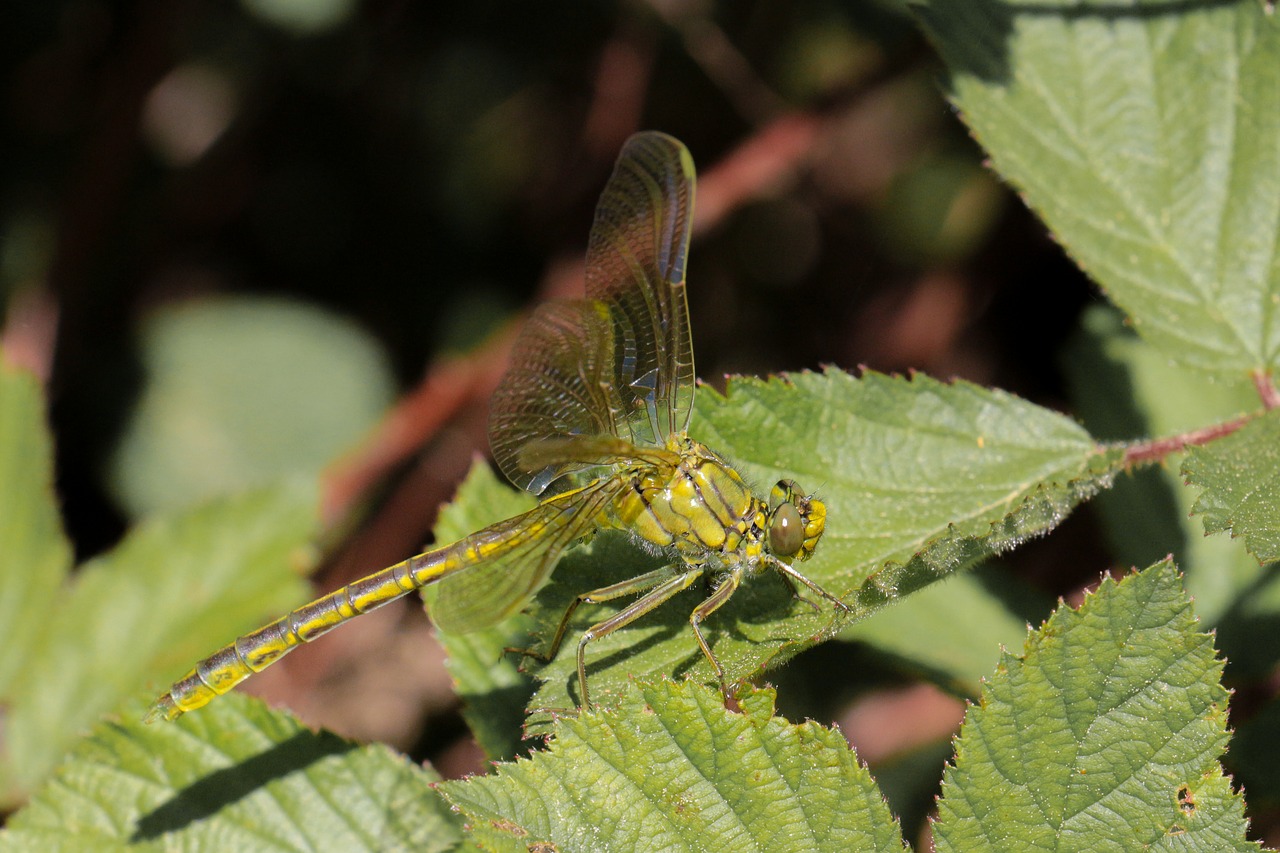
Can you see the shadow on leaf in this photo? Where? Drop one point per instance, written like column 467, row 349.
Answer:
column 207, row 796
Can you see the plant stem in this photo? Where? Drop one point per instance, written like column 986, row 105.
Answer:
column 1266, row 388
column 1157, row 449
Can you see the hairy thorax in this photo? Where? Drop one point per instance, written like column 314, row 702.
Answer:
column 697, row 505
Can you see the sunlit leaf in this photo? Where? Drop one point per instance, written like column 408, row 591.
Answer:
column 1145, row 135
column 236, row 776
column 34, row 552
column 671, row 769
column 1104, row 735
column 1240, row 475
column 173, row 590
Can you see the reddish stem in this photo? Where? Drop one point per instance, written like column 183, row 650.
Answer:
column 1158, row 449
column 1266, row 388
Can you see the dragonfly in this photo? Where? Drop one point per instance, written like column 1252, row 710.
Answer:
column 592, row 416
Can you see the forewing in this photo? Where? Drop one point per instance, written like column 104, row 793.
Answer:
column 636, row 266
column 560, row 384
column 494, row 589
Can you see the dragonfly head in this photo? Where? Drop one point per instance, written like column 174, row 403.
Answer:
column 796, row 521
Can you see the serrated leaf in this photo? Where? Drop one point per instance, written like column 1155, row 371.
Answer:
column 1147, row 136
column 671, row 769
column 921, row 479
column 1240, row 475
column 1125, row 389
column 1104, row 736
column 172, row 590
column 236, row 776
column 228, row 381
column 34, row 552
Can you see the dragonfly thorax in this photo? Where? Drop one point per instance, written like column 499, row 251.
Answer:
column 700, row 506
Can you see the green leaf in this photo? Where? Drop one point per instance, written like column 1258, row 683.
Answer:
column 1240, row 475
column 236, row 776
column 671, row 769
column 921, row 479
column 1147, row 136
column 1104, row 736
column 909, row 469
column 34, row 552
column 173, row 590
column 1125, row 389
column 228, row 382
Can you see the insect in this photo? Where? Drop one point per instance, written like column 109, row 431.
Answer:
column 591, row 416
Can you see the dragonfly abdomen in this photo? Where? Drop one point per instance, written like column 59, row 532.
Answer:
column 254, row 652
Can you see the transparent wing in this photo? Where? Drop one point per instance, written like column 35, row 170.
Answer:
column 560, row 384
column 635, row 266
column 621, row 362
column 531, row 545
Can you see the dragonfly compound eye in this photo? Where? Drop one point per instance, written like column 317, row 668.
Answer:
column 786, row 530
column 784, row 491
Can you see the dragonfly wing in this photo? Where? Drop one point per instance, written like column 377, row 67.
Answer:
column 560, row 384
column 493, row 589
column 621, row 362
column 636, row 265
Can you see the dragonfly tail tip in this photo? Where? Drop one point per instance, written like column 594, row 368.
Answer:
column 164, row 708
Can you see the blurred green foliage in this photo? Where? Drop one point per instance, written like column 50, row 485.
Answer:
column 240, row 392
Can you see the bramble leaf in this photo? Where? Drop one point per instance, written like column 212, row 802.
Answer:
column 671, row 769
column 1147, row 136
column 236, row 776
column 175, row 589
column 35, row 555
column 1240, row 475
column 1104, row 735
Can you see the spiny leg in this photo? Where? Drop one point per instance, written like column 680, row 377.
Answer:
column 795, row 592
column 632, row 586
column 792, row 575
column 633, row 611
column 713, row 603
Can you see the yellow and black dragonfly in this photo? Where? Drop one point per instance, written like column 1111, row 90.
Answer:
column 592, row 416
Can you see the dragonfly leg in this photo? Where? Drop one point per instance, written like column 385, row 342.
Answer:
column 714, row 602
column 632, row 586
column 795, row 593
column 633, row 611
column 791, row 575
